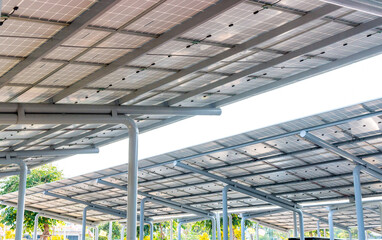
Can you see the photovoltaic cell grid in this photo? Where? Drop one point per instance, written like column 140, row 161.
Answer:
column 274, row 160
column 129, row 25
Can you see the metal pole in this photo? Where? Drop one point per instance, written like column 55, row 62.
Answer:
column 225, row 213
column 242, row 228
column 331, row 227
column 151, row 230
column 301, row 220
column 380, row 213
column 213, row 220
column 358, row 201
column 318, row 229
column 84, row 223
column 141, row 219
column 257, row 231
column 324, row 232
column 218, row 226
column 350, row 235
column 21, row 200
column 295, row 232
column 171, row 230
column 123, row 232
column 96, row 233
column 230, row 227
column 35, row 226
column 110, row 235
column 179, row 230
column 132, row 190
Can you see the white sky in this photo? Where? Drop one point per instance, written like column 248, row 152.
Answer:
column 350, row 85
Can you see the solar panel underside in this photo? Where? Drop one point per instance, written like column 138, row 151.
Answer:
column 274, row 160
column 163, row 73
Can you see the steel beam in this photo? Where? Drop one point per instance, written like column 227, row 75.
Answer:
column 88, row 16
column 46, row 108
column 242, row 188
column 49, row 214
column 302, row 51
column 174, row 32
column 373, row 170
column 41, row 153
column 99, row 208
column 302, row 76
column 311, row 16
column 161, row 201
column 367, row 6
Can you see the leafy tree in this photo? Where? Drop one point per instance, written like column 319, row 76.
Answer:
column 45, row 174
column 116, row 229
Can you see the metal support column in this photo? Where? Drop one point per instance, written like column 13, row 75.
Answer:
column 358, row 201
column 213, row 226
column 301, row 221
column 35, row 226
column 123, row 232
column 295, row 232
column 318, row 229
column 242, row 227
column 331, row 225
column 83, row 235
column 225, row 213
column 141, row 219
column 171, row 229
column 110, row 235
column 218, row 226
column 350, row 235
column 179, row 230
column 257, row 231
column 96, row 233
column 132, row 190
column 151, row 230
column 21, row 199
column 380, row 213
column 230, row 227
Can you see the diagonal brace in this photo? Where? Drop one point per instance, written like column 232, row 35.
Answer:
column 370, row 168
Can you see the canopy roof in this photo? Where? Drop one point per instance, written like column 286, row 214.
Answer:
column 274, row 160
column 206, row 53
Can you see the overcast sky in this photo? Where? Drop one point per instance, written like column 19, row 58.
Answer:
column 353, row 84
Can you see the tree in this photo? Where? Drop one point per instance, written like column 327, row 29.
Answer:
column 116, row 232
column 45, row 174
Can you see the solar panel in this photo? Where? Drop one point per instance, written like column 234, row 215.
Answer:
column 275, row 160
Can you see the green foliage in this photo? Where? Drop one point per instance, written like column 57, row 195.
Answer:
column 116, row 232
column 38, row 176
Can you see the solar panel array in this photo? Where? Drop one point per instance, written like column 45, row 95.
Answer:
column 275, row 160
column 113, row 54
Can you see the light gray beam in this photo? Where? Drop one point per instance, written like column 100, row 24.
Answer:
column 302, row 51
column 96, row 10
column 302, row 76
column 242, row 188
column 313, row 15
column 179, row 29
column 370, row 168
column 49, row 214
column 160, row 200
column 39, row 137
column 104, row 209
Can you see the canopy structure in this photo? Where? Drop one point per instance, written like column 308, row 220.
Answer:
column 76, row 75
column 277, row 161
